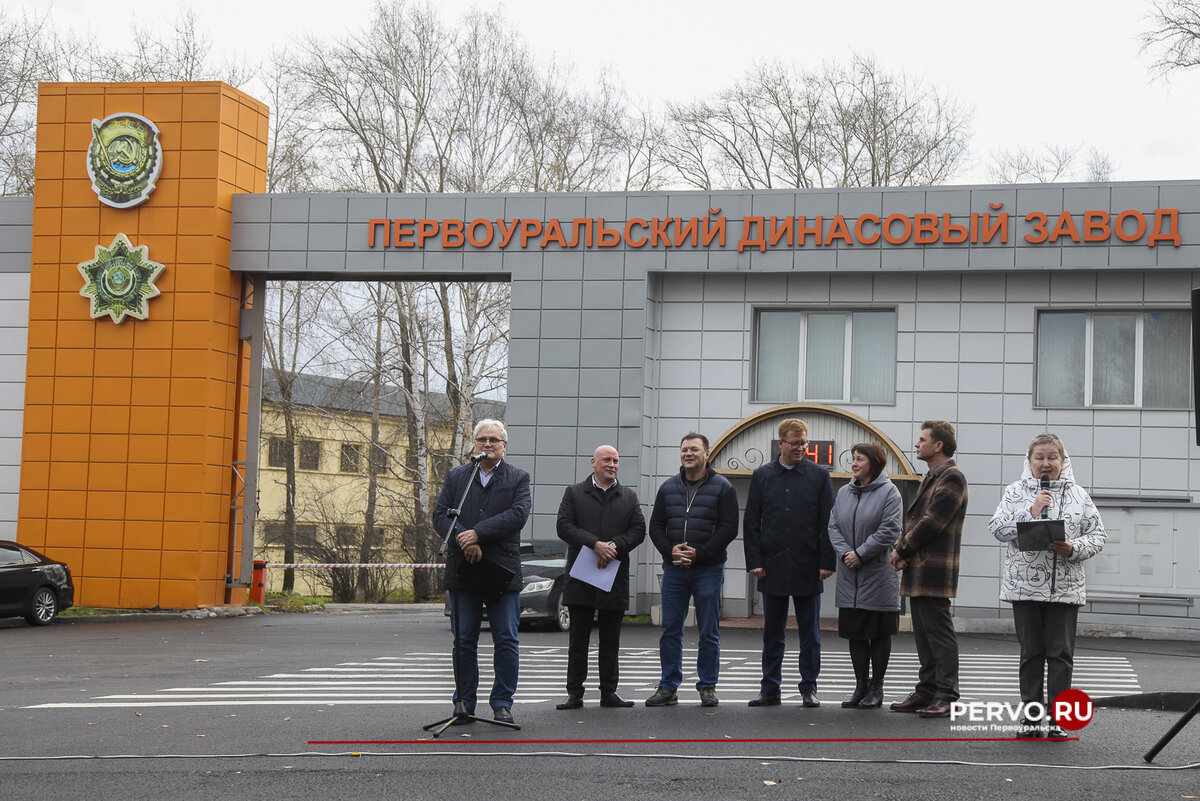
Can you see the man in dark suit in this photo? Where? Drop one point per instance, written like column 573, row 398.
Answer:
column 928, row 553
column 489, row 527
column 786, row 539
column 603, row 520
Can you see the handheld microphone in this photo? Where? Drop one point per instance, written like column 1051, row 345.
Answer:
column 479, row 457
column 1045, row 488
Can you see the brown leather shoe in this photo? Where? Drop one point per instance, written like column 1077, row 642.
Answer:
column 915, row 702
column 938, row 709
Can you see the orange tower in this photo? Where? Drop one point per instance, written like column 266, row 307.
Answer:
column 132, row 428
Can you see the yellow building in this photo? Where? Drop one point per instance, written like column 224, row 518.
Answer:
column 334, row 468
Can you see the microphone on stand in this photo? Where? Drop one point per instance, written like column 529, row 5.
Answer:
column 479, row 457
column 1045, row 488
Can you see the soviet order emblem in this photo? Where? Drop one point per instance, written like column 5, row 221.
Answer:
column 120, row 280
column 124, row 159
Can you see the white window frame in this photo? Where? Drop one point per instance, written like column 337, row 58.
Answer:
column 847, row 367
column 1089, row 339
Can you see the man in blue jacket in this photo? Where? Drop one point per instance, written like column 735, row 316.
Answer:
column 695, row 518
column 489, row 527
column 786, row 538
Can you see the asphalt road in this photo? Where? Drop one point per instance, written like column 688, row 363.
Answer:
column 328, row 706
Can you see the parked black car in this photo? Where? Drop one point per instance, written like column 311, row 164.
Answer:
column 543, row 569
column 33, row 585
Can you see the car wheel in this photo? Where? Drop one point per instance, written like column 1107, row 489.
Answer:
column 42, row 607
column 562, row 617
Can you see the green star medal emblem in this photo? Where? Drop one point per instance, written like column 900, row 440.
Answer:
column 120, row 280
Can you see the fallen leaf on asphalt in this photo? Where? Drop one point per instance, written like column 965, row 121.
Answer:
column 769, row 783
column 287, row 718
column 201, row 735
column 139, row 714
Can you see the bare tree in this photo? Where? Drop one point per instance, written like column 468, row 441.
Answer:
column 1173, row 36
column 144, row 55
column 1053, row 163
column 851, row 125
column 290, row 348
column 27, row 56
column 295, row 144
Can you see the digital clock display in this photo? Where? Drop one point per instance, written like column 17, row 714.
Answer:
column 820, row 451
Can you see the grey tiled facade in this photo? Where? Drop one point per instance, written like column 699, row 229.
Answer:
column 16, row 232
column 635, row 346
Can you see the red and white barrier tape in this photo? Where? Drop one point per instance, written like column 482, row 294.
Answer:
column 365, row 564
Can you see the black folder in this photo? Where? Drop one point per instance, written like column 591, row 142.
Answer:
column 1036, row 535
column 485, row 577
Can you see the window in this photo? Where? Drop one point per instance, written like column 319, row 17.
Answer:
column 847, row 356
column 279, row 450
column 275, row 533
column 310, row 455
column 1114, row 358
column 379, row 460
column 349, row 457
column 346, row 539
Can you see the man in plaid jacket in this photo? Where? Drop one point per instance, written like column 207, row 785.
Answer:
column 928, row 553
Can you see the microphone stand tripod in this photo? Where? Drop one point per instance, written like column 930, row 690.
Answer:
column 460, row 714
column 1170, row 735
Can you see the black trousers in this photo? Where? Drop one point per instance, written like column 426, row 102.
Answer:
column 937, row 647
column 1047, row 634
column 579, row 637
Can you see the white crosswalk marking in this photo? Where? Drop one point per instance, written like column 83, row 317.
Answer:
column 427, row 678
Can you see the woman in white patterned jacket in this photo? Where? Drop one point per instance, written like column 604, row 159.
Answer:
column 1046, row 588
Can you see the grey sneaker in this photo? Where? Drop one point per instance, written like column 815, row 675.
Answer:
column 663, row 697
column 708, row 696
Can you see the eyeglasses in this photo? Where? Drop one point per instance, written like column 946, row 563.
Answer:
column 488, row 440
column 800, row 443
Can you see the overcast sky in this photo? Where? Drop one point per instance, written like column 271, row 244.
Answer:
column 1067, row 72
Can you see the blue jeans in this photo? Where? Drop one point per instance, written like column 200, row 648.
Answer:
column 703, row 586
column 503, row 616
column 808, row 620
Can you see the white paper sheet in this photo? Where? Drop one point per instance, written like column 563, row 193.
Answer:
column 586, row 569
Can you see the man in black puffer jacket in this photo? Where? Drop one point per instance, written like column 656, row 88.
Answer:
column 695, row 518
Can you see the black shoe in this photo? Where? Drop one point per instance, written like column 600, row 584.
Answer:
column 1055, row 732
column 708, row 696
column 503, row 714
column 860, row 691
column 614, row 701
column 462, row 715
column 874, row 697
column 915, row 702
column 810, row 698
column 663, row 697
column 765, row 699
column 573, row 702
column 1029, row 730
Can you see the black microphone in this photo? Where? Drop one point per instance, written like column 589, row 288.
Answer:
column 1045, row 488
column 479, row 457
